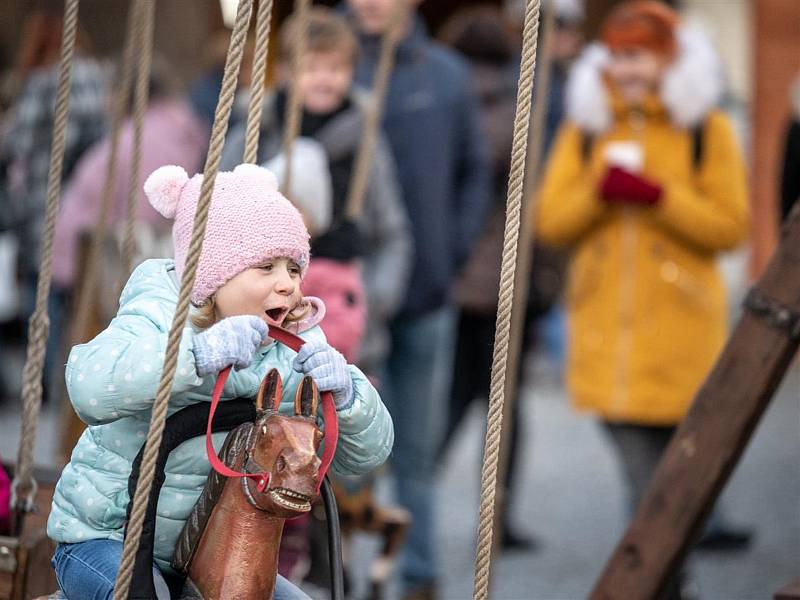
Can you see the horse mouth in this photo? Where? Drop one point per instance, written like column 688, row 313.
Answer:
column 290, row 500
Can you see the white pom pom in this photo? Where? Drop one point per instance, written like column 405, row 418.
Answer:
column 163, row 189
column 250, row 170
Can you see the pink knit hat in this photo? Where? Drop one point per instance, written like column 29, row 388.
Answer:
column 249, row 222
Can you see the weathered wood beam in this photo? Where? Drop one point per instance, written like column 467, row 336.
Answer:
column 708, row 443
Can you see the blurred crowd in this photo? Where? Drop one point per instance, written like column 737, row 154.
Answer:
column 643, row 188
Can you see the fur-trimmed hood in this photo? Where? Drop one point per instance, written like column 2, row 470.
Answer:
column 690, row 88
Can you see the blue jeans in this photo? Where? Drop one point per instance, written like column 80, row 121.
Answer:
column 416, row 392
column 87, row 570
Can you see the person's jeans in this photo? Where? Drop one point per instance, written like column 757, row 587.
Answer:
column 87, row 571
column 416, row 391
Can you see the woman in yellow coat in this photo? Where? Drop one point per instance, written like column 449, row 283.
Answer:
column 645, row 187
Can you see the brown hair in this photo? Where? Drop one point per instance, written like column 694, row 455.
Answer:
column 645, row 24
column 327, row 31
column 206, row 314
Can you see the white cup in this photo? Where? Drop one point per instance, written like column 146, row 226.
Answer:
column 627, row 155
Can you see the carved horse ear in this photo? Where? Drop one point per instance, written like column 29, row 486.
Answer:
column 307, row 398
column 271, row 390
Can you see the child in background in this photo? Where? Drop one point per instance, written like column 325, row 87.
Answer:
column 333, row 115
column 254, row 256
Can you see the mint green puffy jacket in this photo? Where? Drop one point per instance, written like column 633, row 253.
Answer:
column 112, row 382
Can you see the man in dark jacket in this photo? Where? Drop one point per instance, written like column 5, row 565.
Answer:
column 432, row 127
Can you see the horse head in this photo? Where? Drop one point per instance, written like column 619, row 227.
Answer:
column 285, row 447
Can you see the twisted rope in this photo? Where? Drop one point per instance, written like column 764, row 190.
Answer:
column 145, row 50
column 90, row 277
column 525, row 246
column 358, row 185
column 39, row 326
column 294, row 107
column 510, row 242
column 159, row 411
column 263, row 20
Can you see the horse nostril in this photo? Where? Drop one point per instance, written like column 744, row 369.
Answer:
column 280, row 464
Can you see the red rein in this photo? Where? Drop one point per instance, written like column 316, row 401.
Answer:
column 329, row 417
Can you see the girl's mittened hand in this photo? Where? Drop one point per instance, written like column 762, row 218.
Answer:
column 232, row 341
column 329, row 370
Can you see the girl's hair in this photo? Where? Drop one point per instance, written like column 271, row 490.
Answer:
column 326, row 31
column 647, row 24
column 206, row 314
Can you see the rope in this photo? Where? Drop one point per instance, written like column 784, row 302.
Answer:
column 89, row 284
column 141, row 92
column 39, row 325
column 510, row 242
column 525, row 246
column 358, row 186
column 294, row 110
column 159, row 411
column 257, row 84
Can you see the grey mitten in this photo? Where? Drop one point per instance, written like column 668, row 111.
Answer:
column 329, row 370
column 232, row 341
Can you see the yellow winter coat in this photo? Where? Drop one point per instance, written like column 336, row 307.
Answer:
column 646, row 304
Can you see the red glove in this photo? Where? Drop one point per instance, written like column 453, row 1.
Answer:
column 623, row 187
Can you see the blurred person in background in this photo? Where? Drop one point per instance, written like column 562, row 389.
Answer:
column 646, row 187
column 332, row 125
column 26, row 135
column 790, row 177
column 171, row 135
column 431, row 122
column 482, row 36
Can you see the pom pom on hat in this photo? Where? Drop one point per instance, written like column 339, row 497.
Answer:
column 266, row 176
column 163, row 189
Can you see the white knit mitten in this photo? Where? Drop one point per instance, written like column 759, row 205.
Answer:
column 329, row 370
column 232, row 341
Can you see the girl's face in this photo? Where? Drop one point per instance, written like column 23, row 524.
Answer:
column 325, row 81
column 270, row 291
column 635, row 72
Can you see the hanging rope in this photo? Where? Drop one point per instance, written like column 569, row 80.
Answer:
column 257, row 84
column 144, row 46
column 510, row 242
column 23, row 489
column 294, row 107
column 159, row 411
column 525, row 246
column 358, row 186
column 89, row 285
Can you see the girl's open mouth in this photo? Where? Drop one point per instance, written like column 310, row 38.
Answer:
column 276, row 315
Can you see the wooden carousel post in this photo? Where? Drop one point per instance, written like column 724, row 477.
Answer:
column 708, row 443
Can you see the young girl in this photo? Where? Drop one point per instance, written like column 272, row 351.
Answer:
column 255, row 253
column 646, row 187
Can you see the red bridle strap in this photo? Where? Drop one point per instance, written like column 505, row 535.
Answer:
column 330, row 420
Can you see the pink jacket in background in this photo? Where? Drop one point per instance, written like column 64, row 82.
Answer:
column 171, row 135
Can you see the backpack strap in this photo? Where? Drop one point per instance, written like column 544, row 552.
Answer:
column 698, row 145
column 587, row 141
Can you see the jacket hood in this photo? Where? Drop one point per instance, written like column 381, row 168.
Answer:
column 690, row 87
column 314, row 317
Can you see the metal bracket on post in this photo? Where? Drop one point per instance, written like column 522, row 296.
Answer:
column 773, row 312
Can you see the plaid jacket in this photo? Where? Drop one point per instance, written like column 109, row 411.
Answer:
column 25, row 146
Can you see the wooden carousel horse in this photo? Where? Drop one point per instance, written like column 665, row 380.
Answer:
column 229, row 545
column 234, row 554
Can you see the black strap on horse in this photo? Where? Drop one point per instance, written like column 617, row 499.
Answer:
column 184, row 425
column 187, row 423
